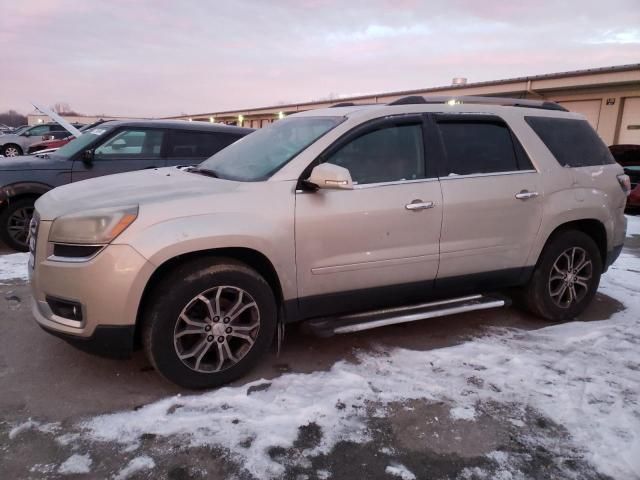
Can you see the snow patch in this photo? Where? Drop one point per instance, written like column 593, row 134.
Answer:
column 76, row 464
column 633, row 225
column 398, row 470
column 136, row 465
column 13, row 267
column 33, row 425
column 323, row 474
column 466, row 412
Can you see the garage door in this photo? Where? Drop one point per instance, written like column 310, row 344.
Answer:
column 589, row 108
column 630, row 123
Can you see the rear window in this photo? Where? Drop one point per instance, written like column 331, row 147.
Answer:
column 190, row 144
column 477, row 147
column 573, row 142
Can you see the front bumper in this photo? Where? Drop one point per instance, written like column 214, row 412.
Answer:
column 109, row 340
column 108, row 289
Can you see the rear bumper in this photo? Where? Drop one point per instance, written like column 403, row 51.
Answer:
column 612, row 256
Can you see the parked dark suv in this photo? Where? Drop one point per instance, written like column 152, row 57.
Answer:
column 112, row 147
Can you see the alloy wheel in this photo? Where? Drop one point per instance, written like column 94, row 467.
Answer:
column 216, row 329
column 18, row 224
column 570, row 277
column 11, row 152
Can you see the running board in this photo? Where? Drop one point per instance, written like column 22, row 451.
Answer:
column 390, row 316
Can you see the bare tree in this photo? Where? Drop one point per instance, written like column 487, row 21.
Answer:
column 63, row 108
column 13, row 118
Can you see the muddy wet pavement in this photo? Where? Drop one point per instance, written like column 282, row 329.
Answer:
column 48, row 388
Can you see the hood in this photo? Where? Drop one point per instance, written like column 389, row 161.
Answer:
column 30, row 162
column 142, row 188
column 8, row 137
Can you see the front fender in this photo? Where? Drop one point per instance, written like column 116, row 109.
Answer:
column 268, row 235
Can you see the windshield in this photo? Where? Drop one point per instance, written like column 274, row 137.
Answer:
column 20, row 130
column 260, row 154
column 80, row 143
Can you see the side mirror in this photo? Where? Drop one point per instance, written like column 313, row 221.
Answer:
column 26, row 134
column 118, row 144
column 330, row 176
column 87, row 156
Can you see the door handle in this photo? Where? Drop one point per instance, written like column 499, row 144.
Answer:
column 526, row 195
column 419, row 205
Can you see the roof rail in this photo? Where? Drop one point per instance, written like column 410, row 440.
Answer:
column 467, row 99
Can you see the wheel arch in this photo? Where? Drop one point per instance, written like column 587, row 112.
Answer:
column 20, row 190
column 14, row 144
column 590, row 226
column 251, row 257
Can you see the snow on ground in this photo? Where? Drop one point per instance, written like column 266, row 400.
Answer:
column 33, row 425
column 136, row 465
column 13, row 267
column 400, row 471
column 633, row 225
column 584, row 376
column 76, row 464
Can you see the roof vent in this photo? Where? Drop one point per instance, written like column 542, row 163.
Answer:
column 458, row 81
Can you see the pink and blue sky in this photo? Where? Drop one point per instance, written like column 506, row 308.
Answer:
column 163, row 57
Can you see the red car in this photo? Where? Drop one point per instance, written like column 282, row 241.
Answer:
column 628, row 156
column 53, row 143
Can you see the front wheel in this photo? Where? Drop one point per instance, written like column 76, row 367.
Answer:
column 208, row 324
column 14, row 223
column 566, row 278
column 11, row 150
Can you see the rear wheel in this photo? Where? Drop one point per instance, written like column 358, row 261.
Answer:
column 14, row 223
column 566, row 278
column 206, row 325
column 11, row 150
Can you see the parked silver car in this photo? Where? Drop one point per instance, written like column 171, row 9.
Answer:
column 18, row 142
column 347, row 218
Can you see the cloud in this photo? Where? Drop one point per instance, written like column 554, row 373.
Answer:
column 154, row 58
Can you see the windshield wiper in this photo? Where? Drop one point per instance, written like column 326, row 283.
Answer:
column 205, row 171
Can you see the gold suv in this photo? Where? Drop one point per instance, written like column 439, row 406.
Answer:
column 346, row 218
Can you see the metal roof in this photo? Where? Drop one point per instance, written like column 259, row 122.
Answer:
column 546, row 76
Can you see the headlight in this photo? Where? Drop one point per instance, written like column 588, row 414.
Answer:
column 92, row 226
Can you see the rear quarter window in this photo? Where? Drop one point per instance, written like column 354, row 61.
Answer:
column 194, row 144
column 572, row 142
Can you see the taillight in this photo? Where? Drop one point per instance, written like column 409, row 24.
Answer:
column 625, row 183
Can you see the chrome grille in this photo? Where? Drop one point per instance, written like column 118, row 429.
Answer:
column 33, row 238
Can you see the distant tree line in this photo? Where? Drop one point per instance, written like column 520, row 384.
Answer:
column 13, row 118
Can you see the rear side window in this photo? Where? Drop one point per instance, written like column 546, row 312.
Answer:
column 573, row 142
column 186, row 144
column 475, row 147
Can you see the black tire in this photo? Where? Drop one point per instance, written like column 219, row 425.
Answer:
column 176, row 291
column 9, row 149
column 14, row 223
column 538, row 292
